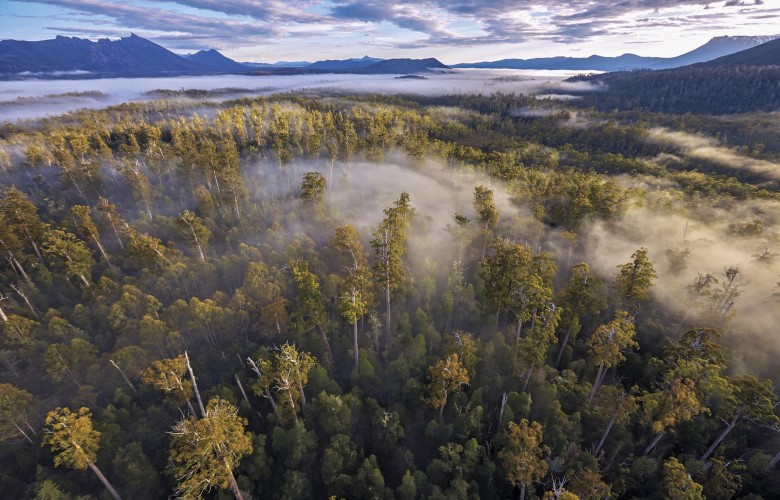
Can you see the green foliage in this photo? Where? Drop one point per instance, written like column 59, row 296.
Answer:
column 523, row 455
column 677, row 482
column 313, row 188
column 447, row 376
column 15, row 408
column 634, row 280
column 140, row 230
column 71, row 437
column 204, row 452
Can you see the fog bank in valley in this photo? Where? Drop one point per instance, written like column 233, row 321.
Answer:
column 660, row 221
column 120, row 90
column 750, row 333
column 710, row 149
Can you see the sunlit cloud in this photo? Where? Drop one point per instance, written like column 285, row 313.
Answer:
column 414, row 25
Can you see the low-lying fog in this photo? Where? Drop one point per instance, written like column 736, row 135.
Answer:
column 48, row 99
column 660, row 220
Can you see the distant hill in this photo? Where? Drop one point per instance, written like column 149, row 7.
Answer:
column 721, row 46
column 767, row 54
column 363, row 62
column 278, row 64
column 744, row 82
column 213, row 59
column 716, row 47
column 383, row 67
column 131, row 56
column 403, row 66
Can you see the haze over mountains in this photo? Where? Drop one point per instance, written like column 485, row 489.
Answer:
column 363, row 62
column 766, row 54
column 716, row 47
column 129, row 56
column 134, row 56
column 213, row 59
column 746, row 81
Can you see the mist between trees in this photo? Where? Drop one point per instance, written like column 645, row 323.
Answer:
column 377, row 296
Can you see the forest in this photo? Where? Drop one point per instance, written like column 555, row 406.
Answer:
column 691, row 89
column 326, row 295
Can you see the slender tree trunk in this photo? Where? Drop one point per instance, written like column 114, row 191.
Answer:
column 303, row 396
column 270, row 398
column 127, row 380
column 774, row 461
column 233, row 484
column 236, row 206
column 100, row 248
column 563, row 346
column 243, row 392
column 21, row 431
column 611, row 422
column 195, row 239
column 597, row 383
column 653, row 443
column 32, row 242
column 504, row 397
column 84, row 280
column 14, row 263
column 195, row 385
column 522, row 491
column 21, row 270
column 326, row 342
column 485, row 240
column 357, row 347
column 11, row 367
column 104, row 480
column 26, row 299
column 116, row 233
column 5, row 318
column 66, row 369
column 191, row 408
column 720, row 438
column 517, row 336
column 528, row 375
column 292, row 406
column 389, row 329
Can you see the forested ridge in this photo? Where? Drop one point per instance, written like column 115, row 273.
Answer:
column 691, row 89
column 385, row 297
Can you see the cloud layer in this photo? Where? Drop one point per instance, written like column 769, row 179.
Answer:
column 196, row 24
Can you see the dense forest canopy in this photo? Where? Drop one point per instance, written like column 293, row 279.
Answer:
column 363, row 296
column 699, row 88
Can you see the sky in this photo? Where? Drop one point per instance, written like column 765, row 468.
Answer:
column 451, row 30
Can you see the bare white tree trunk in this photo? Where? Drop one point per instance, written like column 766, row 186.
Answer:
column 195, row 385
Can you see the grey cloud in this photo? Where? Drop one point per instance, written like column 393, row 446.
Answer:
column 263, row 10
column 252, row 22
column 135, row 17
column 569, row 22
column 360, row 11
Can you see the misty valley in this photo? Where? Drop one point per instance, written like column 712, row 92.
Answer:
column 483, row 283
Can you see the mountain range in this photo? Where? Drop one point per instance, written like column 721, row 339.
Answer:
column 766, row 54
column 134, row 56
column 382, row 67
column 743, row 82
column 129, row 56
column 216, row 61
column 716, row 47
column 363, row 62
